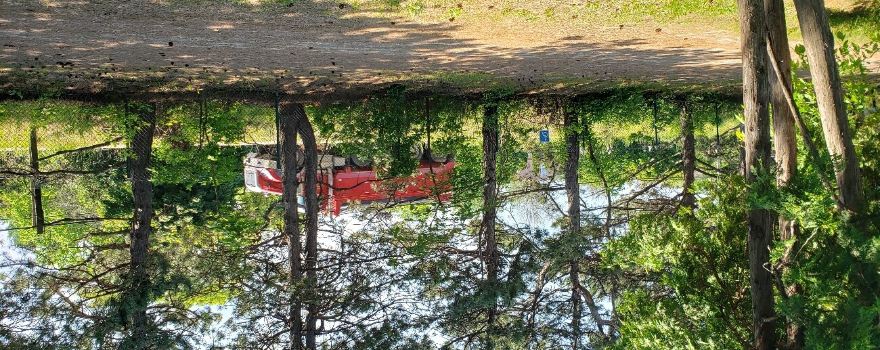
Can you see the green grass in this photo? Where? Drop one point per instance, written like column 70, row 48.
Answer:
column 51, row 137
column 414, row 8
column 470, row 81
column 518, row 13
column 60, row 125
column 611, row 12
column 861, row 23
column 589, row 13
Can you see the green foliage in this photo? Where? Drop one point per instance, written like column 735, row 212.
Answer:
column 58, row 246
column 672, row 279
column 200, row 212
column 389, row 335
column 388, row 129
column 836, row 259
column 836, row 265
column 621, row 126
column 513, row 138
column 697, row 296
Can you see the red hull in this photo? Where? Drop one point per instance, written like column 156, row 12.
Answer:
column 358, row 185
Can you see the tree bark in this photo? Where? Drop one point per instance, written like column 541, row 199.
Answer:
column 136, row 297
column 572, row 189
column 588, row 295
column 38, row 218
column 291, row 116
column 784, row 137
column 490, row 198
column 310, row 184
column 819, row 44
column 688, row 156
column 756, row 96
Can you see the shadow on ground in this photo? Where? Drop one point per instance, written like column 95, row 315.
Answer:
column 318, row 48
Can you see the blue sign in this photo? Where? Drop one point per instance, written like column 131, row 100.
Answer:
column 544, row 136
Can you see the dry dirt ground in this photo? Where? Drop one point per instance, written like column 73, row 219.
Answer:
column 329, row 47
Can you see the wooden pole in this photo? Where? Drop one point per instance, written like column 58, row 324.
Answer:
column 37, row 215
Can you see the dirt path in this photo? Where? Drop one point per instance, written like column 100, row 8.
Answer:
column 325, row 47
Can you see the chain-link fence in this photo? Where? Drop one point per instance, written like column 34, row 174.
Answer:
column 58, row 126
column 42, row 134
column 64, row 125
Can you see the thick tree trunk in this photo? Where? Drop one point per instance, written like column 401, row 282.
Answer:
column 490, row 198
column 291, row 116
column 37, row 217
column 572, row 189
column 688, row 156
column 756, row 97
column 136, row 297
column 310, row 184
column 819, row 43
column 784, row 136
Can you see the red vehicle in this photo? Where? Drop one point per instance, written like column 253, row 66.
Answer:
column 345, row 180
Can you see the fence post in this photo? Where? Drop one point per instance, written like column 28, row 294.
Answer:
column 37, row 217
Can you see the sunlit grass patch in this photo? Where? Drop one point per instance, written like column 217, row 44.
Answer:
column 60, row 125
column 557, row 12
column 861, row 22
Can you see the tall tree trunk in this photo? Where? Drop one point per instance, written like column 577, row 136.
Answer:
column 784, row 134
column 490, row 199
column 572, row 189
column 756, row 97
column 310, row 184
column 784, row 137
column 688, row 155
column 588, row 295
column 291, row 116
column 136, row 297
column 37, row 217
column 819, row 43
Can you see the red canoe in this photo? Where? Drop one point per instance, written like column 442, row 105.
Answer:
column 341, row 183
